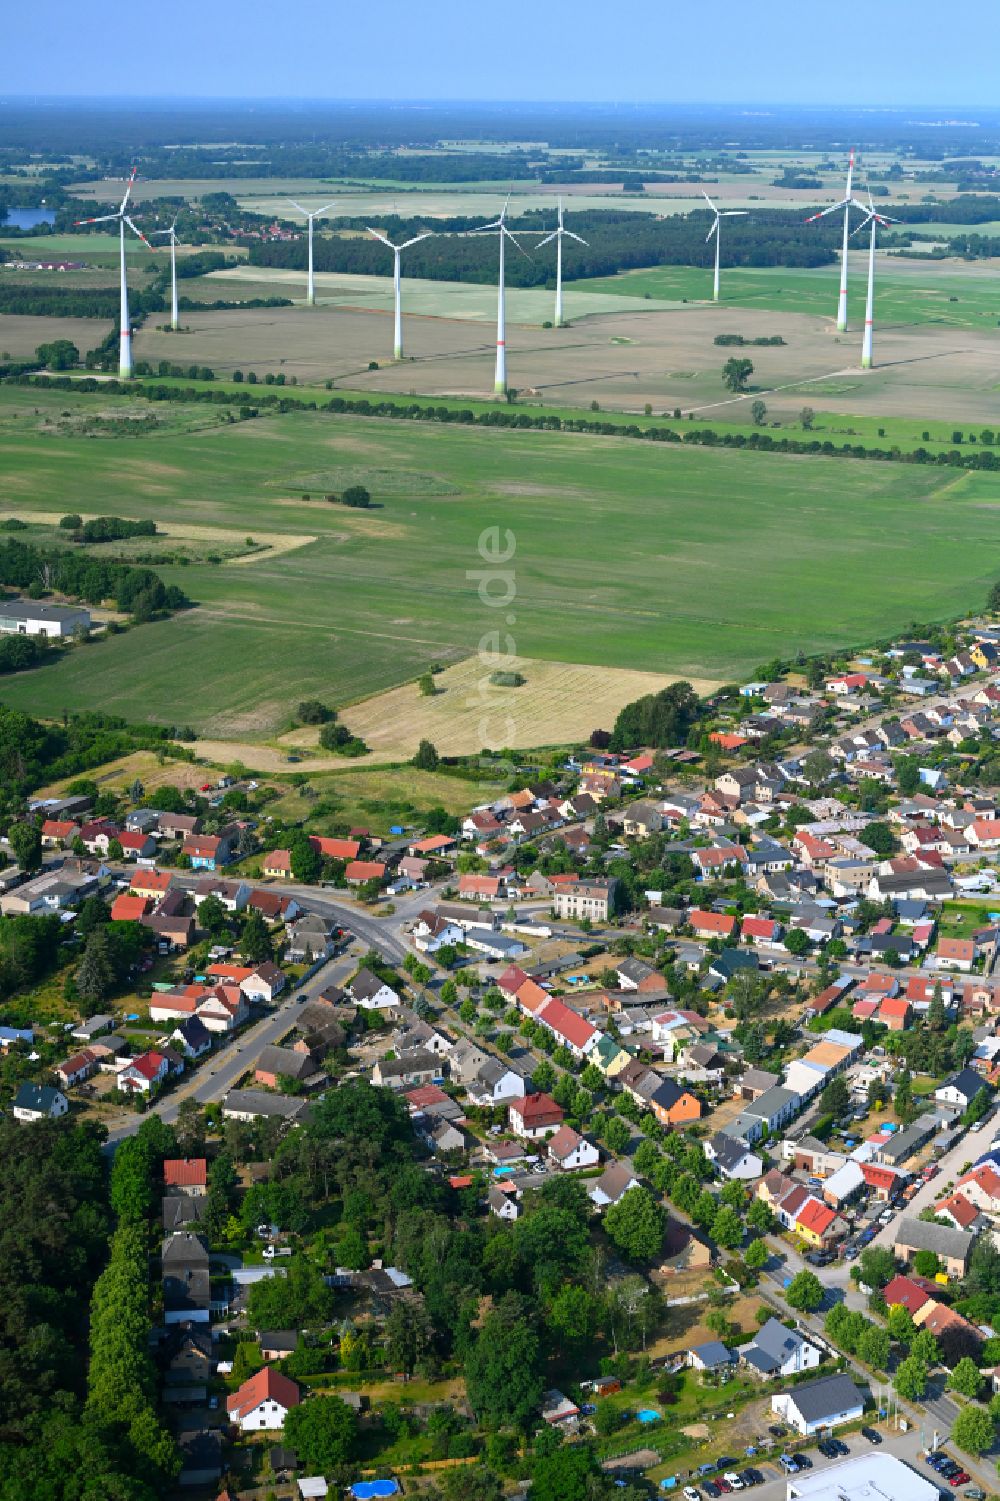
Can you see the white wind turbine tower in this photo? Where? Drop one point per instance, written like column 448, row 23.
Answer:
column 172, row 232
column 397, row 348
column 559, row 235
column 499, row 228
column 716, row 230
column 315, row 213
column 875, row 219
column 121, row 218
column 845, row 203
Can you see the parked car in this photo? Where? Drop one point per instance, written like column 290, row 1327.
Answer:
column 872, row 1435
column 690, row 1494
column 711, row 1489
column 962, row 1478
column 803, row 1461
column 735, row 1483
column 723, row 1485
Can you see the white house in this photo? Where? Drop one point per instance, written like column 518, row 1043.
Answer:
column 367, row 990
column 571, row 1151
column 820, row 1404
column 37, row 1102
column 263, row 1402
column 778, row 1351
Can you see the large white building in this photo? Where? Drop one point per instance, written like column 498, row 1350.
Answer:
column 31, row 617
column 863, row 1477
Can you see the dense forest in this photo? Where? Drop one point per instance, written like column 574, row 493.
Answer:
column 55, row 1442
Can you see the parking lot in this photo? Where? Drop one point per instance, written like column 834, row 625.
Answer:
column 907, row 1447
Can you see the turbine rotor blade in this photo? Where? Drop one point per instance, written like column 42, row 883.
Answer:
column 577, row 238
column 515, row 242
column 709, row 201
column 299, row 207
column 427, row 235
column 378, row 236
column 549, row 238
column 136, row 231
column 103, row 219
column 714, row 230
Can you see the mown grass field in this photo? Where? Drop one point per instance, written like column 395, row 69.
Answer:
column 906, row 291
column 669, row 560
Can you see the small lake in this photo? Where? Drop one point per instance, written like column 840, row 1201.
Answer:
column 27, row 218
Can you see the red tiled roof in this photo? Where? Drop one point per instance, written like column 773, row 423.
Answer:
column 959, row 1208
column 536, row 1107
column 335, row 849
column 815, row 1217
column 910, row 1292
column 711, row 922
column 127, row 908
column 364, row 870
column 267, row 1385
column 185, row 1172
column 566, row 1023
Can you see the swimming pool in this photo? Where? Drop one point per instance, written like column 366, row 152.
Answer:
column 648, row 1415
column 366, row 1490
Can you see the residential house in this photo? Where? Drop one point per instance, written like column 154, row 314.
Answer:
column 77, row 1069
column 38, row 1102
column 186, row 1175
column 276, row 1064
column 961, row 1089
column 263, row 1402
column 259, row 1104
column 732, row 1158
column 144, row 1074
column 594, row 899
column 570, row 1151
column 952, row 1247
column 186, row 1286
column 534, row 1116
column 371, row 992
column 407, row 1071
column 613, row 1184
column 815, row 1405
column 776, row 1350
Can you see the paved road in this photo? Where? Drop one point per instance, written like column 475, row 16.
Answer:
column 972, row 1145
column 212, row 1079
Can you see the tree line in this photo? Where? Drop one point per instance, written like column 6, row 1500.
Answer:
column 138, row 592
column 617, row 240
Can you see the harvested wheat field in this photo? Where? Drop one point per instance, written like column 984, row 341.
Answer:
column 559, row 702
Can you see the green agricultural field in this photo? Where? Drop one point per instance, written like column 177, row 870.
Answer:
column 907, row 291
column 692, row 561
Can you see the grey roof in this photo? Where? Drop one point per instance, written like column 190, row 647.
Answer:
column 772, row 1345
column 181, row 1210
column 39, row 1097
column 31, row 609
column 285, row 1061
column 728, row 1151
column 713, row 1353
column 759, row 1078
column 920, row 1235
column 827, row 1398
column 968, row 1083
column 260, row 1102
column 772, row 1102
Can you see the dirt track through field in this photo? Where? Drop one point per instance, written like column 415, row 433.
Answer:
column 271, row 543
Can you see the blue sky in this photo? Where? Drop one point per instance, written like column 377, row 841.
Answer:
column 880, row 53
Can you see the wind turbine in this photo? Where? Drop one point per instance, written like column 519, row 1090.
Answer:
column 499, row 227
column 558, row 235
column 845, row 203
column 875, row 219
column 720, row 214
column 121, row 218
column 172, row 232
column 397, row 348
column 310, row 216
